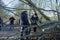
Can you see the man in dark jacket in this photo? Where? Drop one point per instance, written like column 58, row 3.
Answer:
column 24, row 18
column 34, row 21
column 1, row 23
column 11, row 20
column 25, row 24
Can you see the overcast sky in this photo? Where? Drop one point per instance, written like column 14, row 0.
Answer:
column 10, row 3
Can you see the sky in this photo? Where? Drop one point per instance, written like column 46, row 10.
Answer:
column 12, row 3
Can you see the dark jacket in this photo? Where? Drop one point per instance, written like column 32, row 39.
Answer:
column 1, row 21
column 11, row 20
column 24, row 18
column 34, row 19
